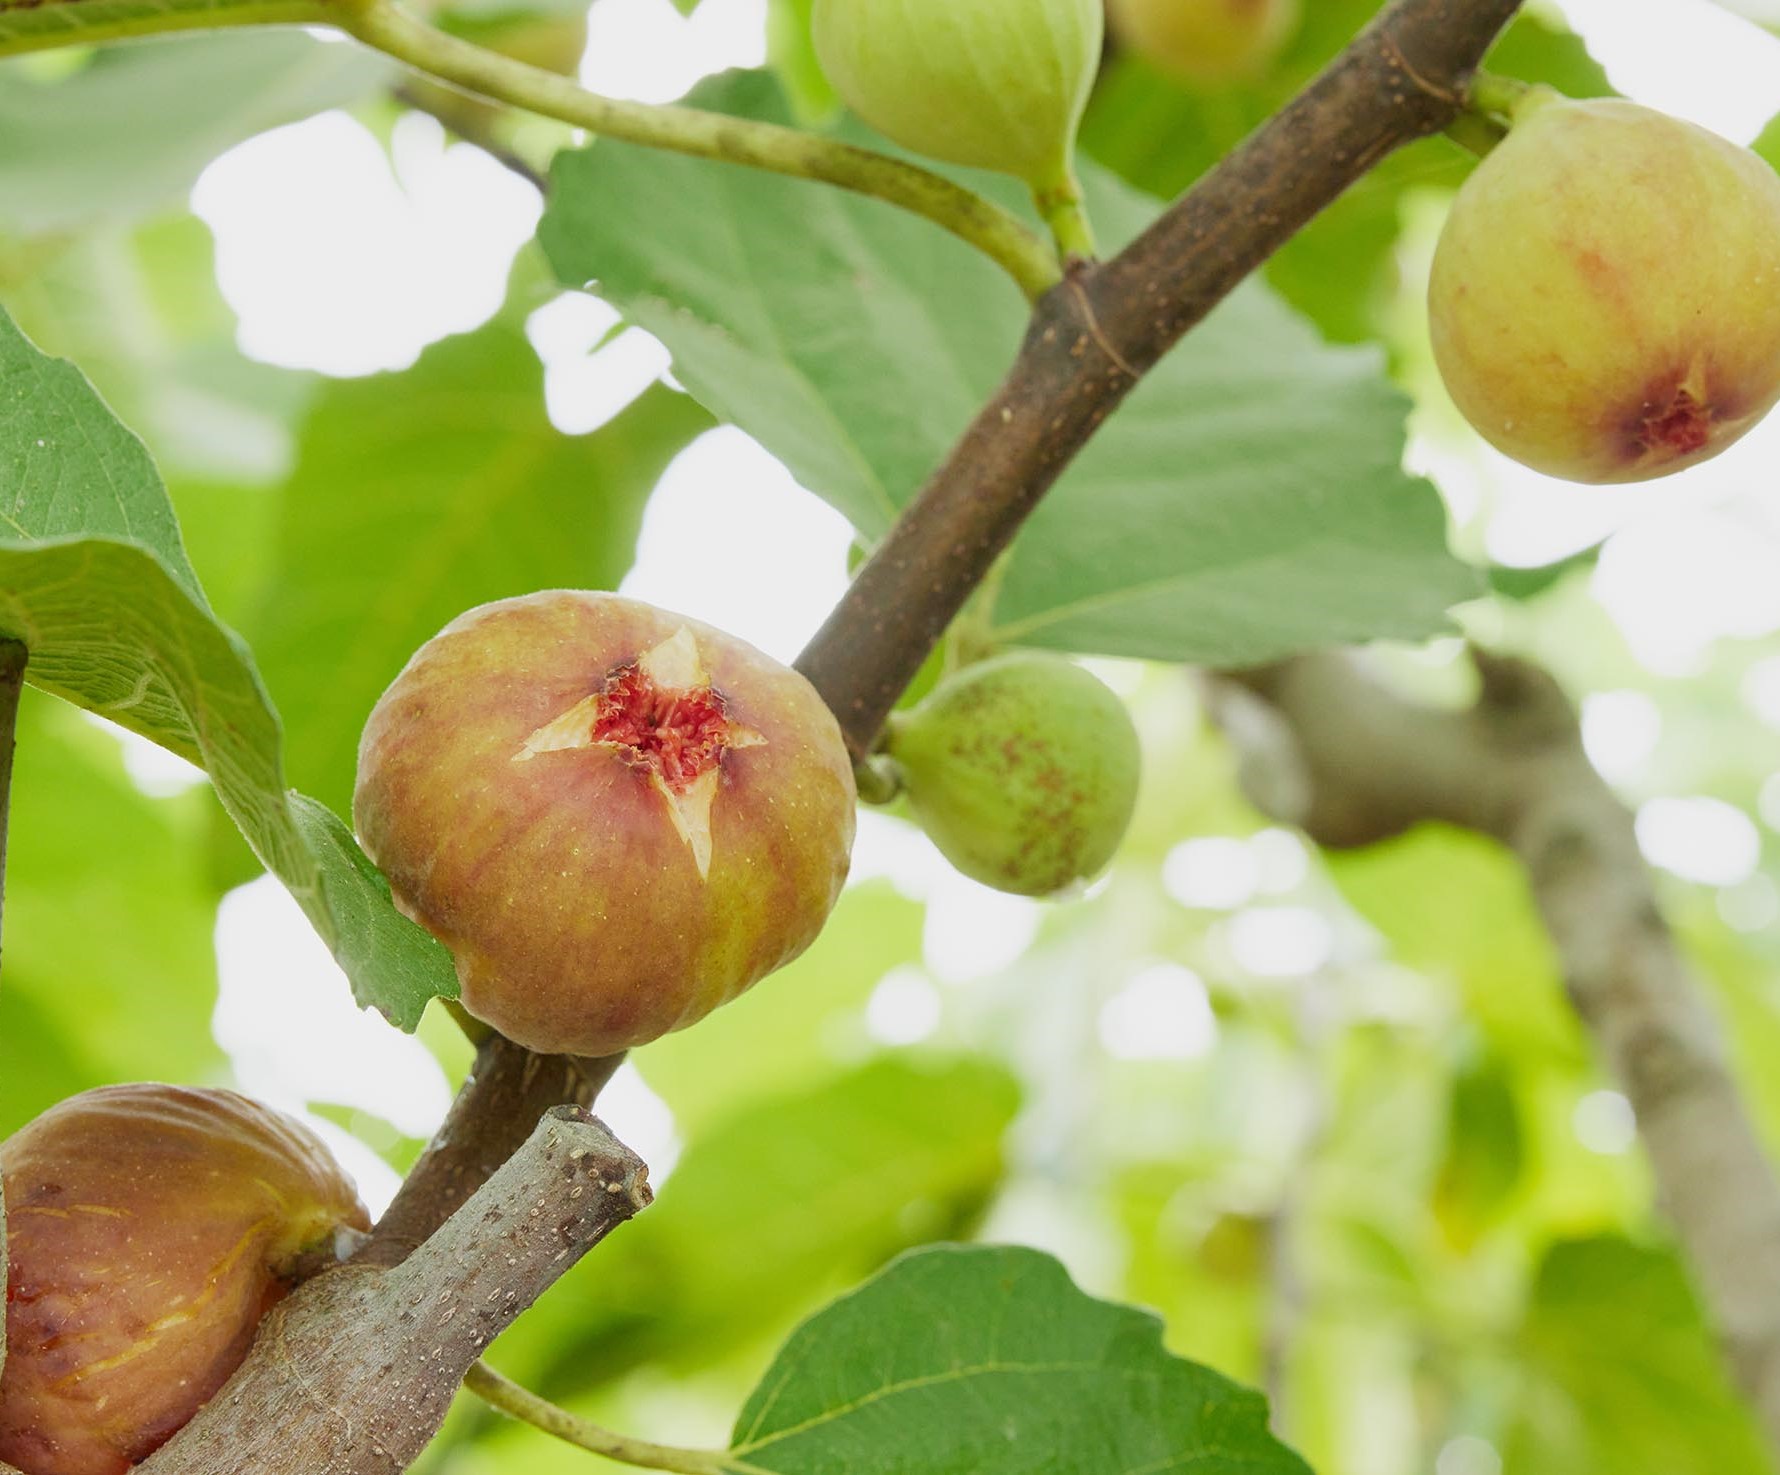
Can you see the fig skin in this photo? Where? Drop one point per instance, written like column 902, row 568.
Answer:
column 1022, row 770
column 575, row 908
column 990, row 84
column 1209, row 43
column 150, row 1229
column 1605, row 296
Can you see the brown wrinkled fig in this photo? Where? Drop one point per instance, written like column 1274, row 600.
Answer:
column 615, row 817
column 150, row 1228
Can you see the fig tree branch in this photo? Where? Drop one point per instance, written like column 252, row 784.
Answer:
column 354, row 1372
column 508, row 1090
column 13, row 656
column 1093, row 337
column 464, row 117
column 1368, row 764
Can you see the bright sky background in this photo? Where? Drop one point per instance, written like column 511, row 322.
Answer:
column 429, row 232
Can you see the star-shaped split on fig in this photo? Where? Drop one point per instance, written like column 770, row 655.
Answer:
column 665, row 720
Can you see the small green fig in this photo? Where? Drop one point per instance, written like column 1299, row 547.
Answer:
column 1022, row 769
column 615, row 817
column 150, row 1229
column 1209, row 43
column 992, row 84
column 1605, row 297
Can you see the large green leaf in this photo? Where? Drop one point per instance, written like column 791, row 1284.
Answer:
column 1621, row 1374
column 419, row 494
column 94, row 580
column 978, row 1361
column 135, row 127
column 1455, row 904
column 856, row 343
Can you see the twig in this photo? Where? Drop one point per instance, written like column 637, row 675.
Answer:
column 519, row 1403
column 508, row 1089
column 1092, row 339
column 13, row 657
column 1372, row 764
column 999, row 234
column 469, row 120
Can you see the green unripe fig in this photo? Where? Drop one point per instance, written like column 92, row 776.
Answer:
column 615, row 817
column 150, row 1229
column 1605, row 297
column 1022, row 770
column 1209, row 43
column 992, row 84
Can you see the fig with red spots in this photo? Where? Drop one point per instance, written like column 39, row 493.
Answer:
column 149, row 1229
column 1605, row 297
column 616, row 818
column 1022, row 769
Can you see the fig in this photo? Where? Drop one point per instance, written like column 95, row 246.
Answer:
column 1605, row 296
column 1209, row 43
column 615, row 818
column 991, row 84
column 1022, row 769
column 150, row 1229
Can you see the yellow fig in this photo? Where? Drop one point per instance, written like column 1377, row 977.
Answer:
column 1209, row 43
column 1605, row 297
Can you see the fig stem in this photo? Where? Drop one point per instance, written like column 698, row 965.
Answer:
column 13, row 657
column 1497, row 98
column 997, row 233
column 474, row 1030
column 878, row 779
column 522, row 1404
column 1060, row 203
column 1476, row 133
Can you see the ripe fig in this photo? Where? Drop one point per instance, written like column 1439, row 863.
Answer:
column 1022, row 769
column 616, row 818
column 992, row 84
column 1605, row 297
column 1209, row 43
column 150, row 1229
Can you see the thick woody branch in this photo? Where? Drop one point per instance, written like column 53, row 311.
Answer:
column 354, row 1373
column 1370, row 764
column 1097, row 334
column 12, row 683
column 494, row 1113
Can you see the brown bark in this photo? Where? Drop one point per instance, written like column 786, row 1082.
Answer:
column 508, row 1089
